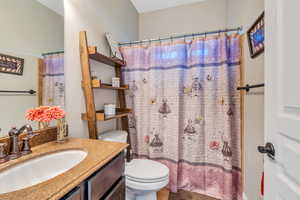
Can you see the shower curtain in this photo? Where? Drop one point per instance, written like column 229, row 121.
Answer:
column 186, row 111
column 54, row 80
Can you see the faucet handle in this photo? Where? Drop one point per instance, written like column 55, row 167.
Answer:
column 26, row 149
column 2, row 149
column 3, row 153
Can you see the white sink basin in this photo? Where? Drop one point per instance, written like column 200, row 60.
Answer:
column 38, row 170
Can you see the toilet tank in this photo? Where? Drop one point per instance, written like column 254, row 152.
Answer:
column 114, row 136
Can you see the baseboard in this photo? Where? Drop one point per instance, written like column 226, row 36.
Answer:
column 244, row 196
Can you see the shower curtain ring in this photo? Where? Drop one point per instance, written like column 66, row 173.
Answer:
column 239, row 30
column 225, row 32
column 220, row 32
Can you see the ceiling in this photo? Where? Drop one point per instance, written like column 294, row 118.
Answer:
column 55, row 5
column 142, row 6
column 152, row 5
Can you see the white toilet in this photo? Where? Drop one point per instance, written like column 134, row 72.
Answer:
column 143, row 177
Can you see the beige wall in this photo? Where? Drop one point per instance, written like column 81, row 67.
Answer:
column 96, row 17
column 13, row 107
column 244, row 13
column 28, row 30
column 28, row 27
column 197, row 17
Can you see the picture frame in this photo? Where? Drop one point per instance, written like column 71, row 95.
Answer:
column 11, row 65
column 114, row 47
column 256, row 37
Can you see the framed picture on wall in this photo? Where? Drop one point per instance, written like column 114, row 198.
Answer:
column 256, row 37
column 114, row 46
column 11, row 64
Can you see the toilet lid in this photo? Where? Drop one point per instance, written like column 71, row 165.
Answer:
column 146, row 170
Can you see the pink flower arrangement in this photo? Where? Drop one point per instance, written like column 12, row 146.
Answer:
column 45, row 114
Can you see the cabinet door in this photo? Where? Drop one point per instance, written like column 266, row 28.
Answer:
column 103, row 180
column 74, row 195
column 118, row 193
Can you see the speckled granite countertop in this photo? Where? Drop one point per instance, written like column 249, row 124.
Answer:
column 99, row 153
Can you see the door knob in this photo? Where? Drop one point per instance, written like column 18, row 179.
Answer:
column 268, row 149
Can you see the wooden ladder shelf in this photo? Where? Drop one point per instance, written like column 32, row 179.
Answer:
column 92, row 115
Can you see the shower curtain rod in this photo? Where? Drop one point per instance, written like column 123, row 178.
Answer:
column 52, row 53
column 182, row 36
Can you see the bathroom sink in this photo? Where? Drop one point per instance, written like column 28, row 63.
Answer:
column 38, row 170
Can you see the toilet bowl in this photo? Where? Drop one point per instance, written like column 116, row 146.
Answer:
column 143, row 177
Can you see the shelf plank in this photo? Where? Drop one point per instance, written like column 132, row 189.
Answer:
column 100, row 116
column 99, row 84
column 93, row 54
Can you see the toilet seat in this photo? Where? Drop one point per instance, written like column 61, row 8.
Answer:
column 147, row 180
column 155, row 186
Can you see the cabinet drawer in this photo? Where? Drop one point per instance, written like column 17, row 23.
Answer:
column 102, row 181
column 118, row 192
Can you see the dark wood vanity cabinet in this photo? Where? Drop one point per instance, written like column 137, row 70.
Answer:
column 76, row 194
column 107, row 183
column 118, row 193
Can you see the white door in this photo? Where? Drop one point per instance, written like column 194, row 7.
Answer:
column 282, row 99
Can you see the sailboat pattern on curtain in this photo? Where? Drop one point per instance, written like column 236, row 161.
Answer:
column 187, row 111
